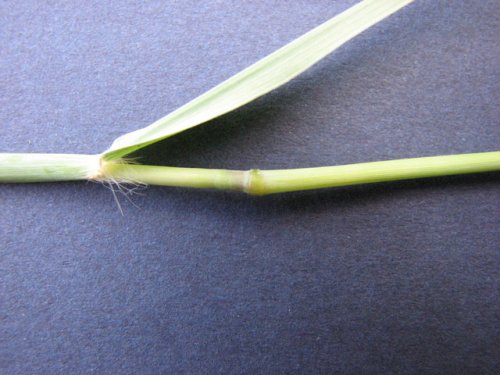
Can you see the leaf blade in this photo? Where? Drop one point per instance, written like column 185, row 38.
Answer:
column 262, row 77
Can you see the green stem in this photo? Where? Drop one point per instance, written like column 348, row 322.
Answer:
column 48, row 167
column 67, row 167
column 257, row 182
column 174, row 176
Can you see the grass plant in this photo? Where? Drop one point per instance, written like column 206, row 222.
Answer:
column 258, row 79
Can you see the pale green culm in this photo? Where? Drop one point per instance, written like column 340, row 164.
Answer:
column 260, row 78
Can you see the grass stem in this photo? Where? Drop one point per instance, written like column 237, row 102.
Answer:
column 261, row 182
column 34, row 167
column 68, row 167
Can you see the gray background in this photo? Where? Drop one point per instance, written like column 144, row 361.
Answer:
column 389, row 278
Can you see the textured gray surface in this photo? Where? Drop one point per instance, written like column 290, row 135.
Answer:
column 390, row 278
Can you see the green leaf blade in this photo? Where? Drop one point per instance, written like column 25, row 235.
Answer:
column 262, row 77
